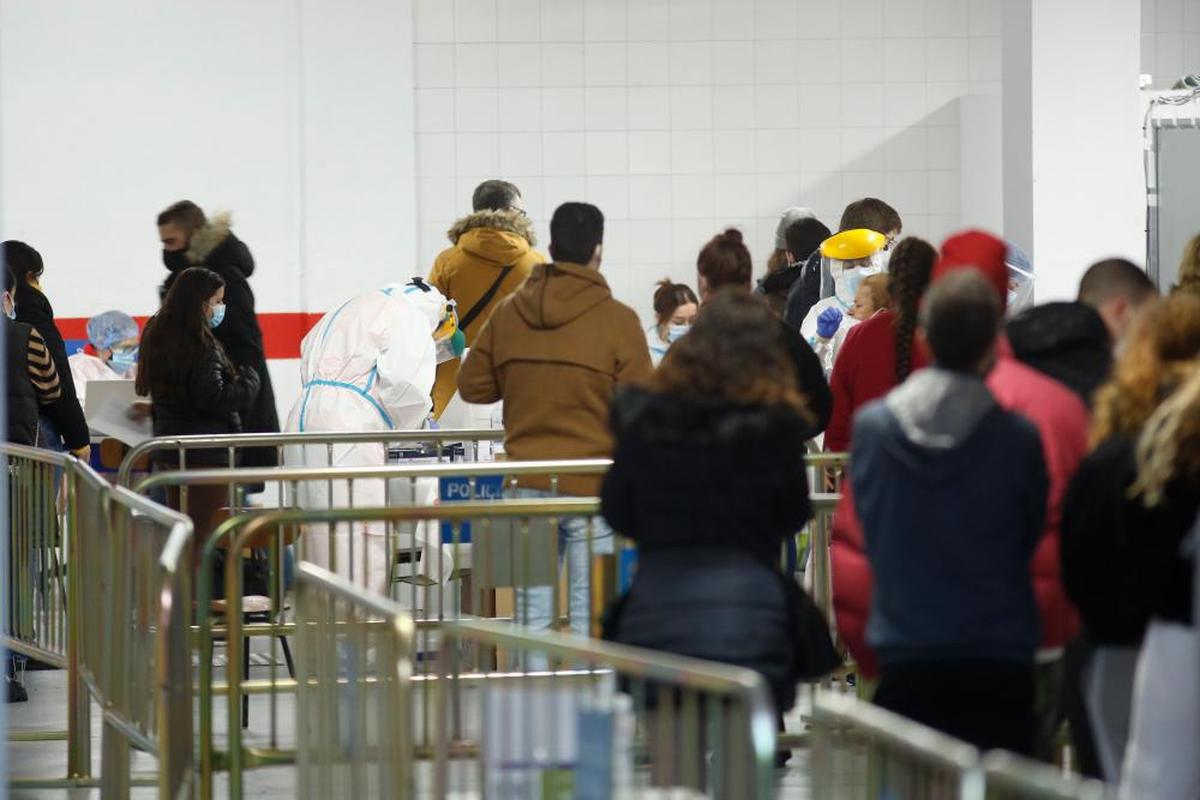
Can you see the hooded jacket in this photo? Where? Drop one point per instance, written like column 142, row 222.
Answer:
column 951, row 492
column 555, row 352
column 710, row 491
column 1068, row 342
column 215, row 247
column 483, row 244
column 1062, row 421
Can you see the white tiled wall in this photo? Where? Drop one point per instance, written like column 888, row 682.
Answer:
column 681, row 117
column 1170, row 40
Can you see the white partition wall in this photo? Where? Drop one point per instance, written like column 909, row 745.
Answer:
column 681, row 117
column 1074, row 186
column 296, row 115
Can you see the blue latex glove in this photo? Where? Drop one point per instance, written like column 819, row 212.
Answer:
column 828, row 322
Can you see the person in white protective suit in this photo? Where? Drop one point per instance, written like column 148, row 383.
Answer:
column 851, row 256
column 369, row 365
column 113, row 336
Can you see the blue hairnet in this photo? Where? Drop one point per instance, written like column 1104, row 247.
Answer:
column 106, row 329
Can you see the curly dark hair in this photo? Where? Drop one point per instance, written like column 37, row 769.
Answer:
column 909, row 271
column 733, row 354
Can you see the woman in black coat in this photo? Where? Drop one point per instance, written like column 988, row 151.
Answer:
column 1125, row 521
column 201, row 242
column 62, row 423
column 194, row 388
column 709, row 479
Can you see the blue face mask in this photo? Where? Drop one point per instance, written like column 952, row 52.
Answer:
column 123, row 360
column 677, row 332
column 218, row 315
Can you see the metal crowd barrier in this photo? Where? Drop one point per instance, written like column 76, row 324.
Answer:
column 123, row 567
column 1010, row 777
column 441, row 442
column 42, row 527
column 863, row 752
column 603, row 720
column 354, row 709
column 528, row 529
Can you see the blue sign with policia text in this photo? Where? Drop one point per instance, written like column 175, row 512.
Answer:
column 458, row 490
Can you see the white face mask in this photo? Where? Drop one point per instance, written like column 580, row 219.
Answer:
column 677, row 332
column 847, row 279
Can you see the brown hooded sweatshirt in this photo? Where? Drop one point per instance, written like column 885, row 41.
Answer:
column 555, row 353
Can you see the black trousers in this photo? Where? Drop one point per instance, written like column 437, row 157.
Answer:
column 986, row 703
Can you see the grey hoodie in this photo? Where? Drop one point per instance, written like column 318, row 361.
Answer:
column 939, row 409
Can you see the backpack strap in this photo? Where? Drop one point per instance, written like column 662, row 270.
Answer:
column 466, row 319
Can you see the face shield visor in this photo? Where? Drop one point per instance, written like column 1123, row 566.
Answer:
column 847, row 276
column 849, row 257
column 449, row 338
column 1020, row 280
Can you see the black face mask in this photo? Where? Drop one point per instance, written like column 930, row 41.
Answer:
column 175, row 260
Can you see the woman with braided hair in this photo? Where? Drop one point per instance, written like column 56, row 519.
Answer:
column 1126, row 516
column 876, row 357
column 879, row 353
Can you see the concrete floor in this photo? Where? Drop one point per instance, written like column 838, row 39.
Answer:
column 47, row 709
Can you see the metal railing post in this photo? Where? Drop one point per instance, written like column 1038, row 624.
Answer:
column 79, row 706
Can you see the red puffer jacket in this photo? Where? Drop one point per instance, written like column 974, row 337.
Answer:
column 1062, row 420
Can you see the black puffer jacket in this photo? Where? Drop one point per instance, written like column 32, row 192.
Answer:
column 804, row 292
column 209, row 402
column 33, row 308
column 217, row 248
column 1069, row 342
column 810, row 379
column 709, row 493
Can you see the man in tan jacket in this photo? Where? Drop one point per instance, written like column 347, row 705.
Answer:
column 556, row 352
column 491, row 254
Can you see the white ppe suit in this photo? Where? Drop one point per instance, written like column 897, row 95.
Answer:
column 846, row 281
column 367, row 366
column 847, row 258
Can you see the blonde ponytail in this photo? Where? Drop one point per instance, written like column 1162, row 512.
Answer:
column 1169, row 445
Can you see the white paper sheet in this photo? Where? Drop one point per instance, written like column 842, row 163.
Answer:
column 109, row 408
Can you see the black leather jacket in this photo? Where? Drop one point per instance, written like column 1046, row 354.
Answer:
column 211, row 402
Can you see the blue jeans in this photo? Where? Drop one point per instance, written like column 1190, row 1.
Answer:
column 535, row 604
column 49, row 437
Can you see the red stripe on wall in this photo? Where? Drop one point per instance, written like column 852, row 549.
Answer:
column 282, row 332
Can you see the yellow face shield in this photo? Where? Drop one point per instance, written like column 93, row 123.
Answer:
column 448, row 326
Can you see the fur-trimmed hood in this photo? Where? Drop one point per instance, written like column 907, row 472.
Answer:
column 495, row 219
column 500, row 237
column 210, row 237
